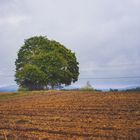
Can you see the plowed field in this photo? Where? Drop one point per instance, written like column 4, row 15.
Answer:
column 73, row 115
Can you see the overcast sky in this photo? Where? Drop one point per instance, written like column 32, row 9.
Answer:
column 104, row 34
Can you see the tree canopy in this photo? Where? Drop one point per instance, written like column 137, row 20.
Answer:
column 42, row 62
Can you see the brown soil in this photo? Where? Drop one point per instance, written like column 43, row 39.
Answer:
column 70, row 115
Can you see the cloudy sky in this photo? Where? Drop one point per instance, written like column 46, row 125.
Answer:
column 104, row 34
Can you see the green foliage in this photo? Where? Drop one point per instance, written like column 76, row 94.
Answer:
column 86, row 89
column 42, row 62
column 22, row 89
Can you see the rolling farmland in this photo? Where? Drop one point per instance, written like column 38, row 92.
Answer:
column 70, row 115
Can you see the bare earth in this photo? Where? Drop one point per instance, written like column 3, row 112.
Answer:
column 61, row 115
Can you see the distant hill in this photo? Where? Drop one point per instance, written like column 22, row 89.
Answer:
column 14, row 88
column 9, row 88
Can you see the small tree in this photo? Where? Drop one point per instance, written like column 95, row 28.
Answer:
column 87, row 87
column 42, row 62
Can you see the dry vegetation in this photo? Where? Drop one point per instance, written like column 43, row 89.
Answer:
column 71, row 115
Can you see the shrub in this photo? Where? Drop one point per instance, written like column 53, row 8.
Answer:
column 23, row 89
column 87, row 87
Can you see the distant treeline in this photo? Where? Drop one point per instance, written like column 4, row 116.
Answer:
column 110, row 90
column 132, row 89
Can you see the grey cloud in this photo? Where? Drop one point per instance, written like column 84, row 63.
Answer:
column 100, row 32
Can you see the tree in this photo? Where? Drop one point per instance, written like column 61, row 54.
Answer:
column 87, row 87
column 42, row 62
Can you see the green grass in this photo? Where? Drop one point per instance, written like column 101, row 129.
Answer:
column 6, row 96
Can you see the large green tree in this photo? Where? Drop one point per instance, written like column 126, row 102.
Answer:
column 42, row 62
